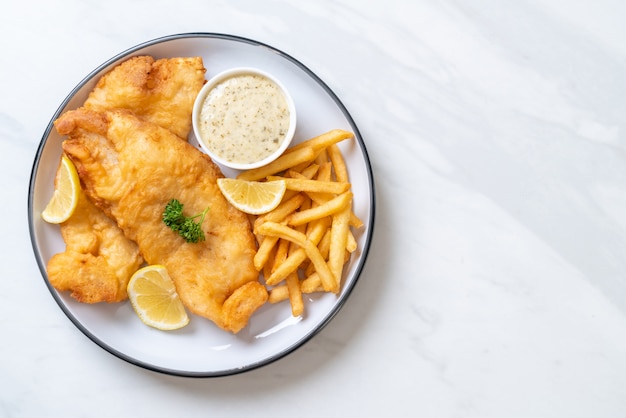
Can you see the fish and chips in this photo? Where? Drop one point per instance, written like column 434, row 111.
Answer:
column 129, row 145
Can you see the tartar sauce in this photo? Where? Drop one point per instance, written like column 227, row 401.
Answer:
column 244, row 119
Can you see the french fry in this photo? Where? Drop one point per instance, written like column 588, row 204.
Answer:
column 341, row 175
column 323, row 246
column 295, row 295
column 301, row 228
column 264, row 251
column 307, row 185
column 322, row 141
column 315, row 230
column 310, row 269
column 282, row 248
column 341, row 171
column 269, row 263
column 325, row 172
column 282, row 231
column 311, row 284
column 322, row 157
column 310, row 171
column 302, row 166
column 295, row 259
column 351, row 245
column 355, row 221
column 321, row 198
column 282, row 163
column 338, row 240
column 331, row 207
column 287, row 267
column 306, row 173
column 278, row 294
column 283, row 210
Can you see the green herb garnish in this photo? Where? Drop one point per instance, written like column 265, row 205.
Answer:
column 186, row 226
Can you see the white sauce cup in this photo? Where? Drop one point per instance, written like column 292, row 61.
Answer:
column 210, row 85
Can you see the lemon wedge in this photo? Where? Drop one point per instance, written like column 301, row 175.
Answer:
column 252, row 197
column 66, row 193
column 153, row 296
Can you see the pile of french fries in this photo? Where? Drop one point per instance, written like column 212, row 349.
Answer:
column 305, row 242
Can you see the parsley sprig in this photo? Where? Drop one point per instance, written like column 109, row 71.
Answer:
column 186, row 226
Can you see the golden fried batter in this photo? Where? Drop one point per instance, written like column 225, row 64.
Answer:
column 131, row 169
column 160, row 91
column 98, row 260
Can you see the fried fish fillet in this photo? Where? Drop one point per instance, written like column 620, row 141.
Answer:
column 160, row 91
column 99, row 260
column 131, row 169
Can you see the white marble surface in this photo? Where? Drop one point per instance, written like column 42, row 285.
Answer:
column 496, row 284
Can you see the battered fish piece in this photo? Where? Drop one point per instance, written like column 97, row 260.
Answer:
column 98, row 260
column 131, row 169
column 160, row 91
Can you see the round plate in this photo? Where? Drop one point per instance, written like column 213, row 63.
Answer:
column 202, row 349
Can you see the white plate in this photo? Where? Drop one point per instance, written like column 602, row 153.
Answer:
column 201, row 349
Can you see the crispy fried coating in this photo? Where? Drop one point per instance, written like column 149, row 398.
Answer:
column 98, row 260
column 131, row 169
column 160, row 91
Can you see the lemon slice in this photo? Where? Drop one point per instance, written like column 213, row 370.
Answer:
column 253, row 197
column 153, row 297
column 65, row 196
